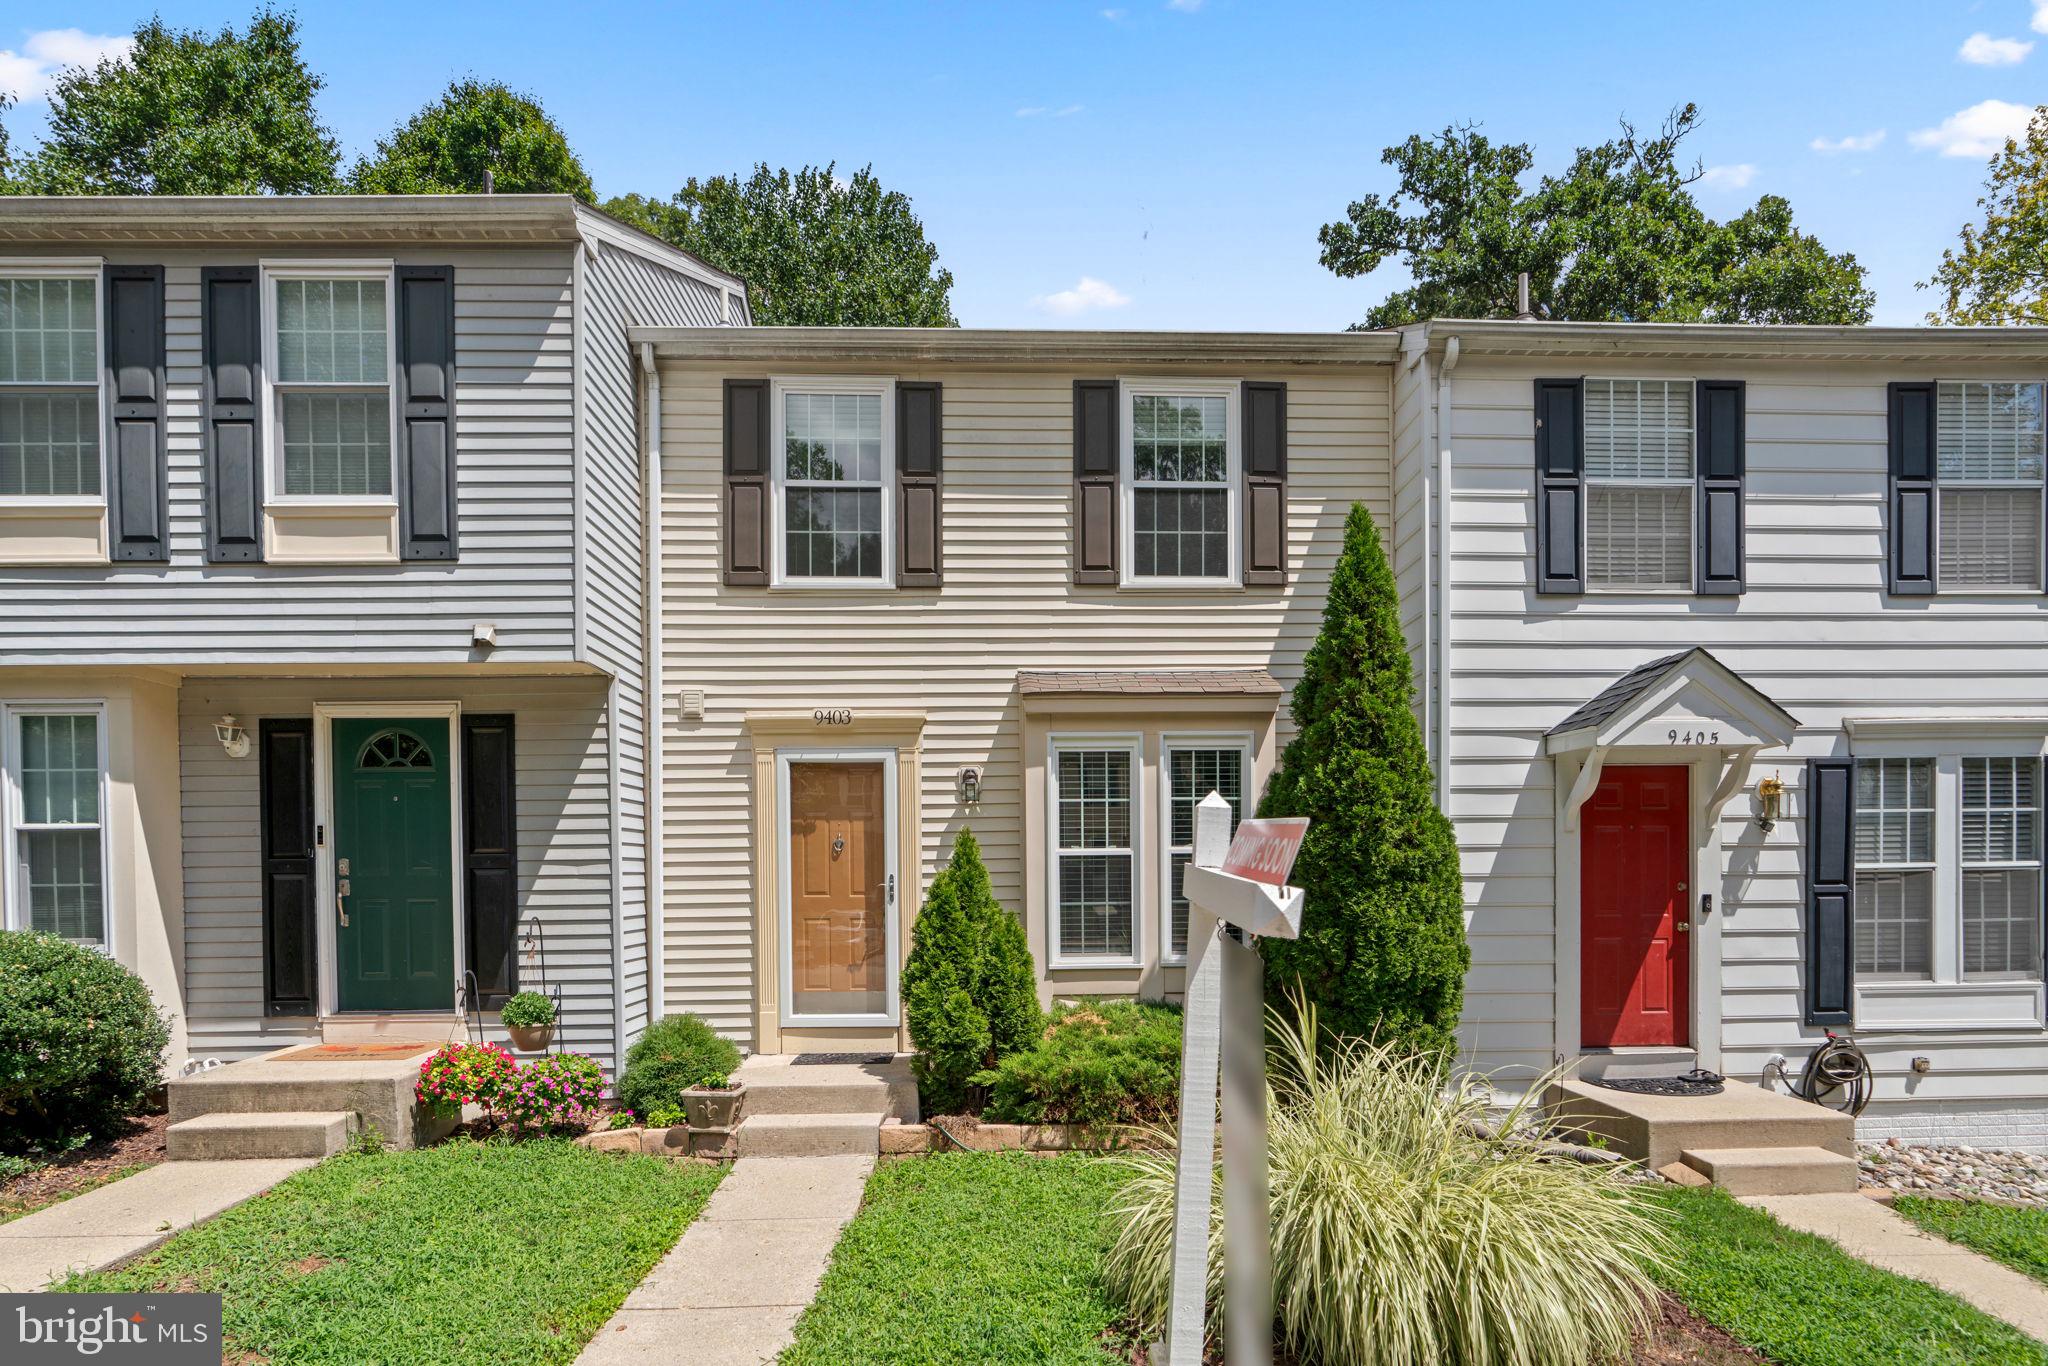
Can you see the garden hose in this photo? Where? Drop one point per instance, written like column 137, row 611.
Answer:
column 1838, row 1076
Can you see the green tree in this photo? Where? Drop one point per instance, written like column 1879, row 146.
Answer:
column 475, row 126
column 969, row 993
column 188, row 112
column 1382, row 948
column 1998, row 274
column 814, row 250
column 1617, row 237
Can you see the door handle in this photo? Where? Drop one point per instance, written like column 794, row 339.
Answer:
column 341, row 901
column 890, row 886
column 1684, row 926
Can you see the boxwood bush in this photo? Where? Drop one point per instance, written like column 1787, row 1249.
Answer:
column 1115, row 1062
column 81, row 1043
column 676, row 1051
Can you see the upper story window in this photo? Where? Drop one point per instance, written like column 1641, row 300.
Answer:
column 833, row 511
column 1180, row 461
column 55, row 771
column 1639, row 483
column 330, row 354
column 49, row 384
column 1989, row 456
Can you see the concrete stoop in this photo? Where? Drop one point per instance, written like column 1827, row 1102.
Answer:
column 1774, row 1171
column 821, row 1109
column 227, row 1135
column 1748, row 1139
column 286, row 1105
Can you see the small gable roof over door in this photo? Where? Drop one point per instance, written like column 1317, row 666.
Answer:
column 1681, row 691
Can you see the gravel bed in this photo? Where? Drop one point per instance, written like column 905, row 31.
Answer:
column 1958, row 1169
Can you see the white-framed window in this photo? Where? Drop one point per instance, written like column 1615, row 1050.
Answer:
column 1639, row 484
column 1193, row 766
column 1988, row 462
column 56, row 878
column 329, row 339
column 1180, row 473
column 1092, row 792
column 50, row 367
column 2001, row 866
column 833, row 472
column 1895, row 869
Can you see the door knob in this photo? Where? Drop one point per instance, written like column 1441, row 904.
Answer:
column 1685, row 927
column 839, row 844
column 341, row 901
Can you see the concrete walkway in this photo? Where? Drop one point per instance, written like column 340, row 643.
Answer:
column 1875, row 1233
column 729, row 1292
column 129, row 1216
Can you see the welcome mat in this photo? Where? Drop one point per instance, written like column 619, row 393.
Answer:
column 822, row 1059
column 353, row 1052
column 1698, row 1082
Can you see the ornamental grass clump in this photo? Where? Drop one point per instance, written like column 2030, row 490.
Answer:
column 1410, row 1224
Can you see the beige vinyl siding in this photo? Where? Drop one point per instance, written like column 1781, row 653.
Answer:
column 1008, row 603
column 1814, row 632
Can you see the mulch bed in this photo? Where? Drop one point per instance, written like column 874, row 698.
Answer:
column 142, row 1145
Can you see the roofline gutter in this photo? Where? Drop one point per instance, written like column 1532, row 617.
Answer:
column 928, row 345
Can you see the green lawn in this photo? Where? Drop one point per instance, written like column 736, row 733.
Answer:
column 463, row 1253
column 963, row 1257
column 2017, row 1237
column 1802, row 1301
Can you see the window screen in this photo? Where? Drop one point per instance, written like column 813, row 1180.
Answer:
column 333, row 387
column 1894, row 929
column 49, row 387
column 2001, row 858
column 58, row 837
column 1095, row 853
column 1180, row 486
column 1988, row 463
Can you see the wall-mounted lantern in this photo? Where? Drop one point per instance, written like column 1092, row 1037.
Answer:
column 233, row 739
column 1770, row 800
column 970, row 786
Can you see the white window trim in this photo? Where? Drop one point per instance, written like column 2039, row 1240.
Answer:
column 271, row 272
column 784, row 929
column 1692, row 497
column 1231, row 391
column 1942, row 486
column 91, row 268
column 1169, row 741
column 13, row 891
column 1133, row 745
column 778, row 475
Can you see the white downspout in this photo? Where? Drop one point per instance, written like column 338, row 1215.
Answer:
column 1415, row 343
column 651, row 607
column 1444, row 512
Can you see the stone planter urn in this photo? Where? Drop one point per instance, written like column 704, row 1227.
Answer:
column 715, row 1107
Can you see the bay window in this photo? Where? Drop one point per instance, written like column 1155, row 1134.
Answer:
column 1195, row 767
column 1094, row 851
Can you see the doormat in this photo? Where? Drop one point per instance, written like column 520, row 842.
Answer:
column 353, row 1052
column 841, row 1059
column 1698, row 1082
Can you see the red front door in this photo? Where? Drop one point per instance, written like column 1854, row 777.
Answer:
column 1634, row 908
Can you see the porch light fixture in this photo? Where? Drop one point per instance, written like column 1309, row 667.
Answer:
column 232, row 737
column 970, row 786
column 1770, row 797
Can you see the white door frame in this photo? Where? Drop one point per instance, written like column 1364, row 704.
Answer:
column 785, row 929
column 324, row 715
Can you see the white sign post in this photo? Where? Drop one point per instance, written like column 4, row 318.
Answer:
column 1236, row 890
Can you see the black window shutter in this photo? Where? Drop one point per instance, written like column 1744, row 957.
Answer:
column 426, row 399
column 230, row 325
column 1720, row 463
column 1830, row 890
column 490, row 855
column 1909, row 553
column 1096, row 458
column 138, row 486
column 1265, row 483
column 289, row 896
column 920, row 454
column 1560, row 485
column 746, row 482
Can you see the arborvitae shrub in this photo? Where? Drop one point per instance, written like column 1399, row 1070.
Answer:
column 1382, row 949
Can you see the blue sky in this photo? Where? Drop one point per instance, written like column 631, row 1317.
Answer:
column 1166, row 163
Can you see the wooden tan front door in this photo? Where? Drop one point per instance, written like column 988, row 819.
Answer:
column 839, row 889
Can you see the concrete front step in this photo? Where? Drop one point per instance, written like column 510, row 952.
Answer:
column 1774, row 1171
column 826, row 1135
column 1655, row 1130
column 227, row 1135
column 777, row 1086
column 377, row 1091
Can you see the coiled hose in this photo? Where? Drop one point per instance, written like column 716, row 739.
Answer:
column 1837, row 1075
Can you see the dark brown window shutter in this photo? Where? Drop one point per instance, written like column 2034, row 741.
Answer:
column 1719, row 466
column 138, row 486
column 920, row 454
column 1830, row 890
column 1909, row 552
column 285, row 784
column 230, row 329
column 1265, row 483
column 746, row 482
column 426, row 396
column 1560, row 485
column 490, row 855
column 1096, row 458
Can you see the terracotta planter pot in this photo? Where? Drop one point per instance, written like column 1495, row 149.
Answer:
column 531, row 1038
column 715, row 1109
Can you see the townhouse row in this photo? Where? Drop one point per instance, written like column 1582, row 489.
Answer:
column 403, row 601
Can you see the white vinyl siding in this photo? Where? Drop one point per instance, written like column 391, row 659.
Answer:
column 2001, row 858
column 56, row 780
column 1988, row 468
column 1639, row 483
column 1194, row 769
column 331, row 382
column 1182, row 467
column 1095, row 851
column 49, row 386
column 1895, row 868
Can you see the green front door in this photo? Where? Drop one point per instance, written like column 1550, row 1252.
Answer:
column 394, row 867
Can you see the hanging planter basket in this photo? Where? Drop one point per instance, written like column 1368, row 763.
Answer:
column 531, row 1038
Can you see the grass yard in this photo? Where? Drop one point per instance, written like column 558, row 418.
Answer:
column 1802, row 1301
column 463, row 1253
column 988, row 1257
column 2017, row 1237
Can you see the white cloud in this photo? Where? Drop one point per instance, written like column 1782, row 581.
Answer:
column 1981, row 49
column 1087, row 296
column 2040, row 24
column 1047, row 111
column 1114, row 14
column 1184, row 6
column 1979, row 131
column 1852, row 142
column 29, row 73
column 1728, row 177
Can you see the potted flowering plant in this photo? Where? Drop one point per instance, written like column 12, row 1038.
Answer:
column 555, row 1094
column 529, row 1018
column 714, row 1100
column 464, row 1074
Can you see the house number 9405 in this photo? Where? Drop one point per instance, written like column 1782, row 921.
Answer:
column 1692, row 737
column 832, row 716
